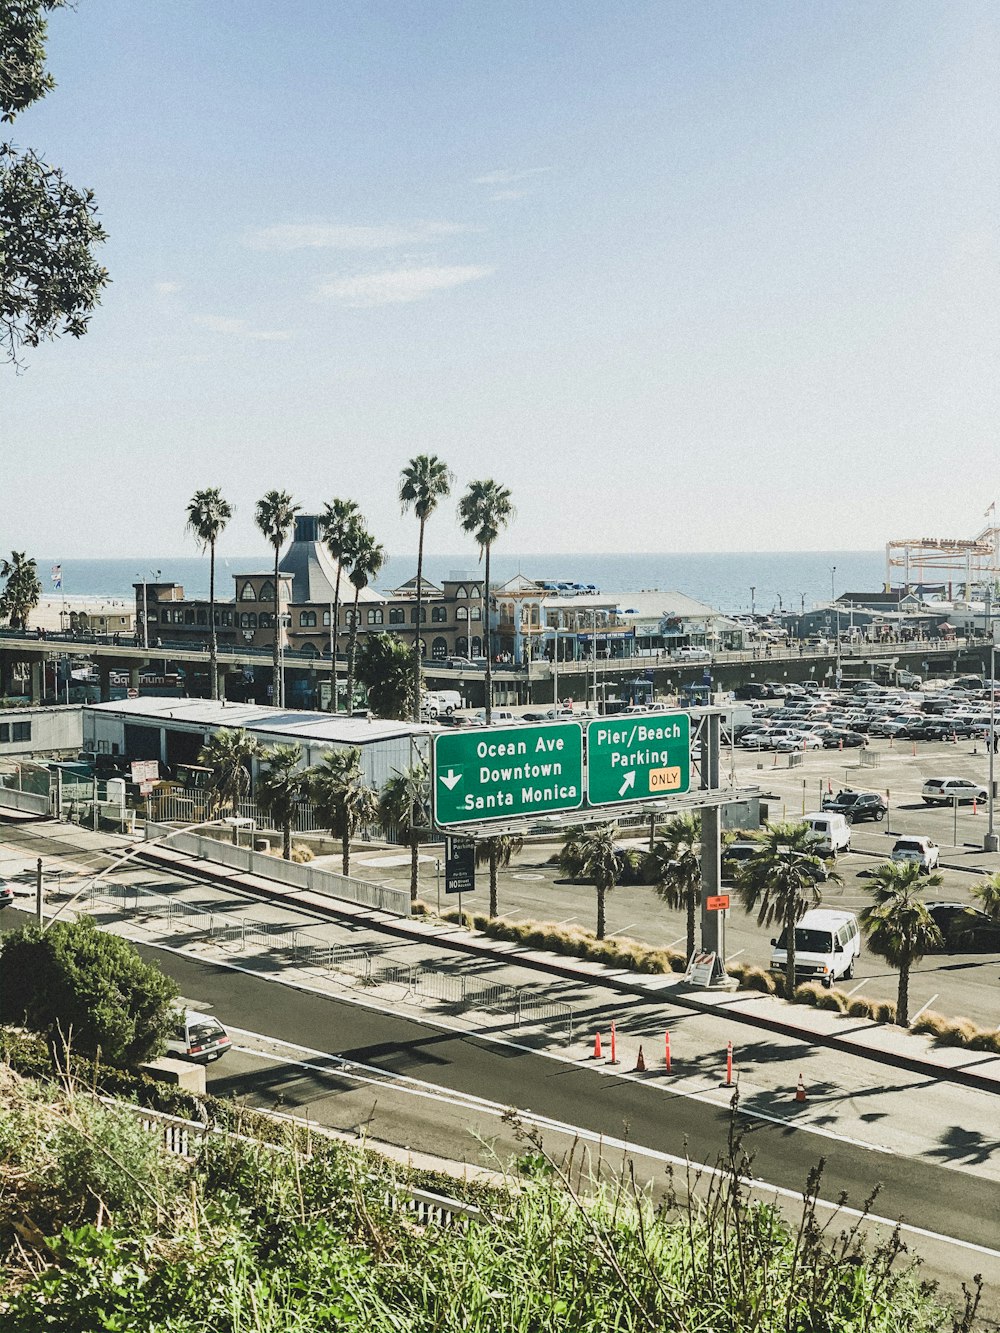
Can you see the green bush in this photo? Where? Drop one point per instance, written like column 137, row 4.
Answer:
column 758, row 979
column 87, row 989
column 884, row 1011
column 859, row 1007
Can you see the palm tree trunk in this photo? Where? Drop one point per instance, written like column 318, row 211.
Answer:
column 345, row 851
column 790, row 950
column 494, row 896
column 334, row 641
column 275, row 683
column 352, row 644
column 286, row 841
column 213, row 650
column 601, row 921
column 903, row 993
column 414, row 864
column 420, row 626
column 486, row 640
column 690, row 925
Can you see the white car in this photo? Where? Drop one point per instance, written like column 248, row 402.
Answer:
column 924, row 851
column 945, row 791
column 807, row 741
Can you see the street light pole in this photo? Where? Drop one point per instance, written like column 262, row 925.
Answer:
column 833, row 604
column 991, row 843
column 753, row 594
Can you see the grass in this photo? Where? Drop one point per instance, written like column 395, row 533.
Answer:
column 243, row 1238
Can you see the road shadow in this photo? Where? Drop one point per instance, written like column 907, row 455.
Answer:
column 965, row 1145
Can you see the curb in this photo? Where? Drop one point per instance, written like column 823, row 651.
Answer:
column 581, row 972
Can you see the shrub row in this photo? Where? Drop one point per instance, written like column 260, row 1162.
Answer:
column 573, row 942
column 576, row 942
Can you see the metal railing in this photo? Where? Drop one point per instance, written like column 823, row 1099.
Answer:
column 326, row 883
column 180, row 1138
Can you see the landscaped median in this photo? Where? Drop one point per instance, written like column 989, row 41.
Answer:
column 634, row 956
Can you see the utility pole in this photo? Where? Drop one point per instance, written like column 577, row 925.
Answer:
column 38, row 893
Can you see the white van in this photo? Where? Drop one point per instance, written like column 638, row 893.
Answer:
column 831, row 832
column 826, row 945
column 438, row 702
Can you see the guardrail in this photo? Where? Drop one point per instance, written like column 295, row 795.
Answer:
column 327, row 883
column 27, row 802
column 180, row 1138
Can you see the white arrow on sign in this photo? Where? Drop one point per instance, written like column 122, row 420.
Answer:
column 451, row 779
column 629, row 782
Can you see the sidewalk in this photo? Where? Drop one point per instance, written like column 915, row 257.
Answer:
column 855, row 1037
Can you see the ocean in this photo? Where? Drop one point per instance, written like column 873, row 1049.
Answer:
column 779, row 579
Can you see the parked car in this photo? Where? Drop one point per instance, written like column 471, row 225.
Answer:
column 804, row 741
column 692, row 654
column 857, row 805
column 6, row 894
column 945, row 791
column 965, row 928
column 924, row 851
column 198, row 1037
column 738, row 853
column 842, row 738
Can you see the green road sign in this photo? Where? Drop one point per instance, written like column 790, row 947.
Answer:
column 504, row 772
column 635, row 758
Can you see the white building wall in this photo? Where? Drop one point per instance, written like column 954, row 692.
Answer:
column 49, row 730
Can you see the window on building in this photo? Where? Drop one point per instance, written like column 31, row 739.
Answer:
column 165, row 616
column 189, row 616
column 439, row 614
column 266, row 620
column 461, row 591
column 227, row 617
column 477, row 646
column 20, row 731
column 349, row 616
column 461, row 646
column 439, row 649
column 202, row 616
column 326, row 618
column 461, row 613
column 307, row 619
column 413, row 615
column 397, row 616
column 475, row 590
column 248, row 620
column 475, row 612
column 4, row 733
column 266, row 593
column 247, row 593
column 376, row 616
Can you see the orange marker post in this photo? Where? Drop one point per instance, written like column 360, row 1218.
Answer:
column 666, row 1043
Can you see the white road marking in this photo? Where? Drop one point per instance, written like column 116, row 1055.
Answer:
column 623, row 930
column 922, row 1008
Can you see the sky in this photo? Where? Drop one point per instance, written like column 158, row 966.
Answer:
column 706, row 275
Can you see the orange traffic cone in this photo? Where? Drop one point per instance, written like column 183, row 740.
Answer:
column 640, row 1062
column 598, row 1053
column 800, row 1091
column 975, row 806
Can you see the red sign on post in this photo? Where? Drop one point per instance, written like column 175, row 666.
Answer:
column 717, row 903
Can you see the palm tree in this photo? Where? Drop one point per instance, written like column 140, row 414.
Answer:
column 403, row 805
column 423, row 482
column 340, row 523
column 227, row 753
column 987, row 891
column 23, row 591
column 497, row 852
column 898, row 925
column 674, row 868
column 280, row 789
column 781, row 881
column 274, row 515
column 207, row 515
column 591, row 853
column 484, row 510
column 369, row 557
column 343, row 800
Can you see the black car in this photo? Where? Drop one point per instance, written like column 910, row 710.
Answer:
column 841, row 738
column 857, row 805
column 6, row 894
column 966, row 929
